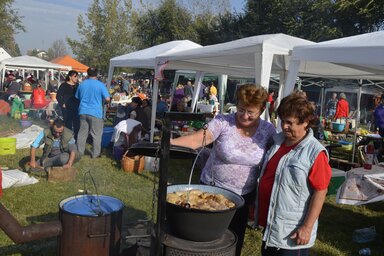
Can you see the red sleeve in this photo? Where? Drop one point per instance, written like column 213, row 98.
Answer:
column 320, row 173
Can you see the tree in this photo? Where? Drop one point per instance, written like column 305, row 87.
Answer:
column 106, row 33
column 57, row 49
column 170, row 21
column 318, row 20
column 10, row 23
column 312, row 20
column 359, row 16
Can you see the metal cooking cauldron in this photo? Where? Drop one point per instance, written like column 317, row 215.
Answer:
column 200, row 225
column 89, row 225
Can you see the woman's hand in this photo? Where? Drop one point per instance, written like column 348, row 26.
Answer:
column 302, row 235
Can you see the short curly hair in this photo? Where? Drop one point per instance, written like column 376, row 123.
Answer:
column 295, row 105
column 251, row 95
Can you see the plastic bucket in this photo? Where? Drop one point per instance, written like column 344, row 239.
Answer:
column 107, row 136
column 25, row 123
column 24, row 115
column 339, row 127
column 7, row 146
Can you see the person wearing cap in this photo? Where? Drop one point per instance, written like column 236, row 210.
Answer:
column 342, row 109
column 92, row 94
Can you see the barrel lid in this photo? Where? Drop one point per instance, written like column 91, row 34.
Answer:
column 91, row 205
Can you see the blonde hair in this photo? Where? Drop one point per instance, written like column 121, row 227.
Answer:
column 251, row 95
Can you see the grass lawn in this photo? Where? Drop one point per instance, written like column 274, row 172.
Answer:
column 39, row 203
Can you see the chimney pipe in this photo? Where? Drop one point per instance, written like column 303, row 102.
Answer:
column 20, row 234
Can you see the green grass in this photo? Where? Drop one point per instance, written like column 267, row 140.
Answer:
column 39, row 203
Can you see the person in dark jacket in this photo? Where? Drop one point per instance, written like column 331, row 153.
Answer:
column 59, row 147
column 68, row 103
column 139, row 115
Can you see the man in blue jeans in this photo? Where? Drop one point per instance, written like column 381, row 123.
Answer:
column 92, row 94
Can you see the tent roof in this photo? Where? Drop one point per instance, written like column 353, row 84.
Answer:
column 31, row 62
column 3, row 54
column 69, row 61
column 239, row 57
column 359, row 57
column 146, row 58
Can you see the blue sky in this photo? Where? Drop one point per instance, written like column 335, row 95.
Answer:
column 47, row 21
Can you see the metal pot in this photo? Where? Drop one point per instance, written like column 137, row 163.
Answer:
column 200, row 225
column 91, row 225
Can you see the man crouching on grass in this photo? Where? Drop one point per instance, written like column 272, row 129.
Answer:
column 59, row 147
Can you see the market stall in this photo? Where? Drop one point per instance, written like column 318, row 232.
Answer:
column 252, row 57
column 146, row 58
column 67, row 60
column 30, row 63
column 356, row 57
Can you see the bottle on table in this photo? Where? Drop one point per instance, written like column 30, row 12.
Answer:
column 369, row 155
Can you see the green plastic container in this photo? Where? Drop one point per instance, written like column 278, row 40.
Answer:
column 338, row 178
column 7, row 146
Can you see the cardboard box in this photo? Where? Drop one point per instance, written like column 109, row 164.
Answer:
column 338, row 178
column 57, row 174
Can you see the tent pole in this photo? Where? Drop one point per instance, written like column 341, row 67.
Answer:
column 196, row 90
column 357, row 120
column 154, row 104
column 222, row 83
column 322, row 99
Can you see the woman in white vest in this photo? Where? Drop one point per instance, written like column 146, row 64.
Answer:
column 293, row 182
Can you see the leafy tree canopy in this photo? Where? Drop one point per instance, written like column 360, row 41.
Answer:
column 318, row 20
column 10, row 23
column 105, row 31
column 170, row 21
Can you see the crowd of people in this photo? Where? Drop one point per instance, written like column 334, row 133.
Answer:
column 81, row 108
column 285, row 175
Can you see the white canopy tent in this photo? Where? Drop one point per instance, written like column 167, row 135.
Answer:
column 252, row 57
column 146, row 58
column 30, row 63
column 256, row 56
column 355, row 57
column 3, row 54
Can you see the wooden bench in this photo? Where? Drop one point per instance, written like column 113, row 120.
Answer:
column 342, row 164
